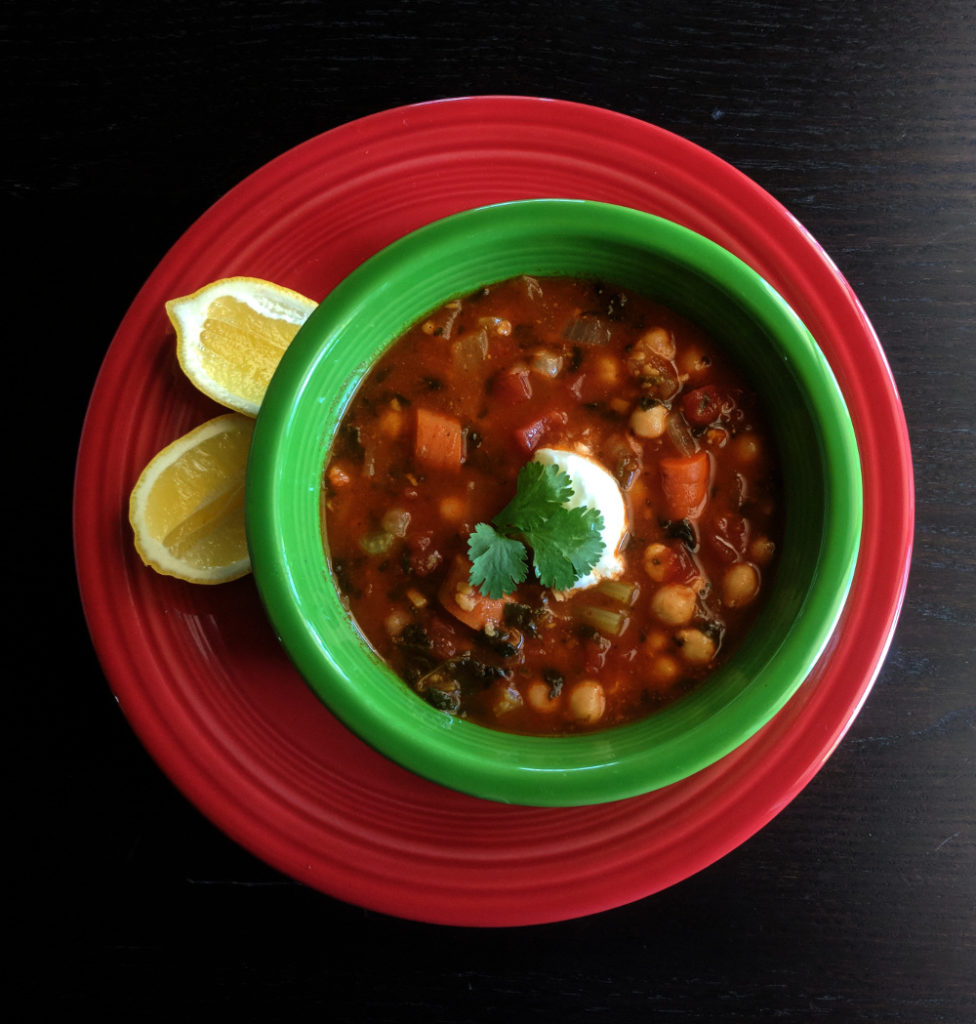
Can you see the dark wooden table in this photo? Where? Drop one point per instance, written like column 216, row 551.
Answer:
column 125, row 121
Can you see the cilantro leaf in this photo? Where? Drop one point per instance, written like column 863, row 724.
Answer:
column 498, row 563
column 566, row 542
column 540, row 491
column 566, row 546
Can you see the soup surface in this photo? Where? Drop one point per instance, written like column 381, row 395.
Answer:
column 652, row 427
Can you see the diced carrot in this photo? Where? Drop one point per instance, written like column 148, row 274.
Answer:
column 465, row 602
column 439, row 440
column 684, row 480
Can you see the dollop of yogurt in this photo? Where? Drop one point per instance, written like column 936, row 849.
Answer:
column 595, row 487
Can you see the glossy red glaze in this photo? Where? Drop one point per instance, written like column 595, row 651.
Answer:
column 198, row 671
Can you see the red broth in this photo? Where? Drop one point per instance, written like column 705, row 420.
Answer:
column 432, row 445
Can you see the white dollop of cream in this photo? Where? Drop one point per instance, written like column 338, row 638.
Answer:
column 595, row 487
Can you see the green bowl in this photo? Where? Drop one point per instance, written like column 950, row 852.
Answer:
column 368, row 311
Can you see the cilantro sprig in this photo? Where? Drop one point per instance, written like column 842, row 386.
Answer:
column 565, row 542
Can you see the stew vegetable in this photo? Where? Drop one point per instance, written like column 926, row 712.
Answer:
column 552, row 506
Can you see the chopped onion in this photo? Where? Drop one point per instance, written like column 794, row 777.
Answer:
column 470, row 351
column 496, row 324
column 443, row 328
column 547, row 363
column 532, row 287
column 680, row 434
column 587, row 330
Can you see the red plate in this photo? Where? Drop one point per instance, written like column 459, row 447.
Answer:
column 197, row 670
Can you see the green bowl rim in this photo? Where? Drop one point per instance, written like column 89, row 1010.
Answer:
column 541, row 771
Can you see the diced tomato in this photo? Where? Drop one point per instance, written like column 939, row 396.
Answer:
column 530, row 436
column 702, row 406
column 423, row 557
column 445, row 640
column 684, row 480
column 465, row 602
column 510, row 387
column 439, row 440
column 727, row 534
column 708, row 404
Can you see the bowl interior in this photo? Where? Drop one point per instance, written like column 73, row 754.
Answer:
column 368, row 311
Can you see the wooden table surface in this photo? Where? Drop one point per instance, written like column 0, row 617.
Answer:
column 125, row 121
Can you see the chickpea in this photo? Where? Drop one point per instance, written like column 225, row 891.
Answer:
column 665, row 670
column 659, row 340
column 649, row 423
column 396, row 621
column 453, row 508
column 717, row 437
column 746, row 447
column 761, row 550
column 396, row 521
column 587, row 701
column 693, row 363
column 656, row 373
column 608, row 369
column 740, row 584
column 697, row 648
column 658, row 561
column 657, row 641
column 538, row 694
column 674, row 604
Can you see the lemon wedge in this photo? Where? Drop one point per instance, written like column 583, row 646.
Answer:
column 231, row 334
column 187, row 507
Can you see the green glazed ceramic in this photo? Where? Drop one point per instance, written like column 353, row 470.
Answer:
column 368, row 311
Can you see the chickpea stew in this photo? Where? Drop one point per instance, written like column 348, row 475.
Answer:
column 650, row 425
